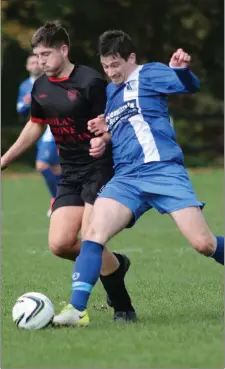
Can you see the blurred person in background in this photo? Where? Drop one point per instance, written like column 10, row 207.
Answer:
column 47, row 158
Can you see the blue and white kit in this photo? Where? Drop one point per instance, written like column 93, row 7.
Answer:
column 148, row 162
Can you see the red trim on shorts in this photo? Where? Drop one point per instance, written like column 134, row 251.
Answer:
column 52, row 79
column 38, row 120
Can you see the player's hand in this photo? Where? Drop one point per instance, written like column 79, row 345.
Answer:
column 180, row 59
column 27, row 99
column 98, row 146
column 97, row 125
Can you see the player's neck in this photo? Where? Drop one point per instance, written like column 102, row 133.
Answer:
column 66, row 71
column 131, row 70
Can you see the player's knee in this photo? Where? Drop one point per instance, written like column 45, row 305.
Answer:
column 61, row 248
column 204, row 244
column 95, row 233
column 40, row 166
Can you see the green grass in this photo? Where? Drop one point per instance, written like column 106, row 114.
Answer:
column 178, row 294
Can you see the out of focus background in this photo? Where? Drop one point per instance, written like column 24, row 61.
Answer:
column 158, row 29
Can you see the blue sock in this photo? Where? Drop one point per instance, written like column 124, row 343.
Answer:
column 219, row 252
column 51, row 181
column 86, row 272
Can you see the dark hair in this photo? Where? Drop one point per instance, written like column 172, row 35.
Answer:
column 52, row 34
column 114, row 42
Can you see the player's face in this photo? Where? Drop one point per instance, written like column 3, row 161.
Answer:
column 51, row 60
column 117, row 68
column 33, row 66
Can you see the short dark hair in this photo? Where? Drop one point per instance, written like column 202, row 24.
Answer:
column 52, row 34
column 114, row 42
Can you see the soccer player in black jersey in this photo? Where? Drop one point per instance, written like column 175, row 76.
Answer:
column 65, row 97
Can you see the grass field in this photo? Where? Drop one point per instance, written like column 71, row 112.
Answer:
column 178, row 293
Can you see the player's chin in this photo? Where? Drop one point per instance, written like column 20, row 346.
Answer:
column 49, row 73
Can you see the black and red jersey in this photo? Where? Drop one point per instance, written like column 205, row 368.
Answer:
column 66, row 104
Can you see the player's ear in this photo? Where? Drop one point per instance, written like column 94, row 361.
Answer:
column 132, row 58
column 64, row 49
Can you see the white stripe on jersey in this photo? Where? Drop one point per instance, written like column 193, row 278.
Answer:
column 145, row 138
column 141, row 128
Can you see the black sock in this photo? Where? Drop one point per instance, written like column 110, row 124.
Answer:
column 115, row 287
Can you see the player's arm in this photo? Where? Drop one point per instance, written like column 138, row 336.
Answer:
column 28, row 136
column 177, row 78
column 97, row 98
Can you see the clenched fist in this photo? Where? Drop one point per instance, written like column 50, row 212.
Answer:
column 180, row 59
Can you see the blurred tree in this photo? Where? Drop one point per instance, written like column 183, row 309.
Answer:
column 157, row 27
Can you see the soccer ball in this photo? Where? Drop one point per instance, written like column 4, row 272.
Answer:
column 33, row 310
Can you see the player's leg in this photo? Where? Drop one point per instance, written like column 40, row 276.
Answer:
column 65, row 224
column 113, row 270
column 109, row 261
column 68, row 217
column 193, row 226
column 171, row 192
column 112, row 212
column 114, row 265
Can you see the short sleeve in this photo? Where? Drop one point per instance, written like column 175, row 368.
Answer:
column 96, row 94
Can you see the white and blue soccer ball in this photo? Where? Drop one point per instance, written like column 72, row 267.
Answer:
column 33, row 310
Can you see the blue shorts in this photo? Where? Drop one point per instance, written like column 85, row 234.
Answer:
column 47, row 153
column 164, row 186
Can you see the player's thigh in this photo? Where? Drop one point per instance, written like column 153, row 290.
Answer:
column 65, row 224
column 66, row 218
column 107, row 219
column 193, row 226
column 88, row 208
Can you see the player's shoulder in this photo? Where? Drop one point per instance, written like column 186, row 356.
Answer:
column 153, row 67
column 86, row 75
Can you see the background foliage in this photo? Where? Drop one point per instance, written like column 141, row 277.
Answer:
column 158, row 28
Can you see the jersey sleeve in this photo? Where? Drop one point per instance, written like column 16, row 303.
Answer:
column 37, row 113
column 168, row 80
column 97, row 97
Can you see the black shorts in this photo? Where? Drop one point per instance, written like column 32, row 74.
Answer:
column 76, row 191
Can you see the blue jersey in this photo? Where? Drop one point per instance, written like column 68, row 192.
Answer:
column 25, row 88
column 138, row 118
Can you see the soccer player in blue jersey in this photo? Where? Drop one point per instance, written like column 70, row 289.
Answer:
column 47, row 158
column 148, row 163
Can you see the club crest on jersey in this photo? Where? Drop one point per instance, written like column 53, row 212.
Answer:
column 132, row 85
column 72, row 95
